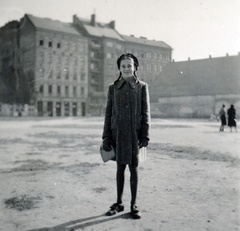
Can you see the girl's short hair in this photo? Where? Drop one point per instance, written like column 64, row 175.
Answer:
column 128, row 56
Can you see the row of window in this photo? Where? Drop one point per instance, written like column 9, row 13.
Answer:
column 59, row 90
column 60, row 58
column 58, row 75
column 148, row 55
column 148, row 67
column 65, row 45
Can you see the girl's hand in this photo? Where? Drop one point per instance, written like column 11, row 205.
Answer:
column 143, row 142
column 107, row 145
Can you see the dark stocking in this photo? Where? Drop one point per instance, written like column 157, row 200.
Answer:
column 120, row 182
column 133, row 182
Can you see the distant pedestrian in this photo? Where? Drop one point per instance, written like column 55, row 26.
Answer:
column 222, row 115
column 126, row 127
column 231, row 118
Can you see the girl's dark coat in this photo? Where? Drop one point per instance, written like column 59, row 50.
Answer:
column 127, row 118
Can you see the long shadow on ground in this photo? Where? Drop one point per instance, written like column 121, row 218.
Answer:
column 83, row 223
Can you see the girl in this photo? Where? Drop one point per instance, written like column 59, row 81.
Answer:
column 126, row 127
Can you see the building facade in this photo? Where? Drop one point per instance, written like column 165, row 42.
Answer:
column 67, row 67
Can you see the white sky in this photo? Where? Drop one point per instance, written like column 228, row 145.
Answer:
column 193, row 28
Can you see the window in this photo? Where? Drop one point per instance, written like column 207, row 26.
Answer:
column 75, row 75
column 142, row 55
column 58, row 45
column 75, row 61
column 149, row 55
column 82, row 91
column 149, row 67
column 95, row 43
column 59, row 74
column 128, row 51
column 50, row 73
column 66, row 73
column 74, row 91
column 94, row 66
column 94, row 54
column 67, row 61
column 41, row 89
column 155, row 55
column 66, row 90
column 41, row 72
column 41, row 42
column 160, row 68
column 59, row 59
column 109, row 44
column 119, row 46
column 160, row 57
column 49, row 57
column 74, row 46
column 50, row 44
column 58, row 90
column 66, row 109
column 83, row 76
column 50, row 89
column 109, row 55
column 155, row 68
column 41, row 57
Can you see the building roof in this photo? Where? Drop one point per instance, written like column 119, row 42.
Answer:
column 211, row 76
column 53, row 25
column 100, row 29
column 145, row 41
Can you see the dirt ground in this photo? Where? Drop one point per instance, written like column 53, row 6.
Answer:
column 52, row 177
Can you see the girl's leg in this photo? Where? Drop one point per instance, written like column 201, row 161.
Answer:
column 133, row 182
column 120, row 181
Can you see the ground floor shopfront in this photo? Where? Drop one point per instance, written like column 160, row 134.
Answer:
column 45, row 108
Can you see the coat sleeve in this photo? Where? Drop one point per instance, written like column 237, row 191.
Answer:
column 107, row 132
column 145, row 112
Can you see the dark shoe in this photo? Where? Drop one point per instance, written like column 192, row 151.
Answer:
column 135, row 212
column 115, row 208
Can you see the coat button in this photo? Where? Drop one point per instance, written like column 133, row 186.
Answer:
column 127, row 106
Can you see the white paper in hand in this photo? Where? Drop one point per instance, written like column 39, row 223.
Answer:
column 142, row 154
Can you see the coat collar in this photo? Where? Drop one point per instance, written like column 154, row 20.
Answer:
column 132, row 83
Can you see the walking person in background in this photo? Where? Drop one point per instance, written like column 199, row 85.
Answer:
column 222, row 115
column 231, row 117
column 126, row 127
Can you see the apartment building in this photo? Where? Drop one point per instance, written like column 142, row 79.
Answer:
column 64, row 69
column 105, row 46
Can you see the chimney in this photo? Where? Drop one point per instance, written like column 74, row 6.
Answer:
column 210, row 56
column 188, row 58
column 93, row 20
column 227, row 54
column 173, row 60
column 112, row 24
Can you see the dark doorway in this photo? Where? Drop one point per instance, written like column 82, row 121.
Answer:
column 40, row 108
column 83, row 109
column 58, row 109
column 50, row 108
column 66, row 109
column 74, row 109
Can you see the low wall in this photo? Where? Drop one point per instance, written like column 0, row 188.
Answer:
column 192, row 106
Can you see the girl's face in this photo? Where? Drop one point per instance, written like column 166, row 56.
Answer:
column 127, row 67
